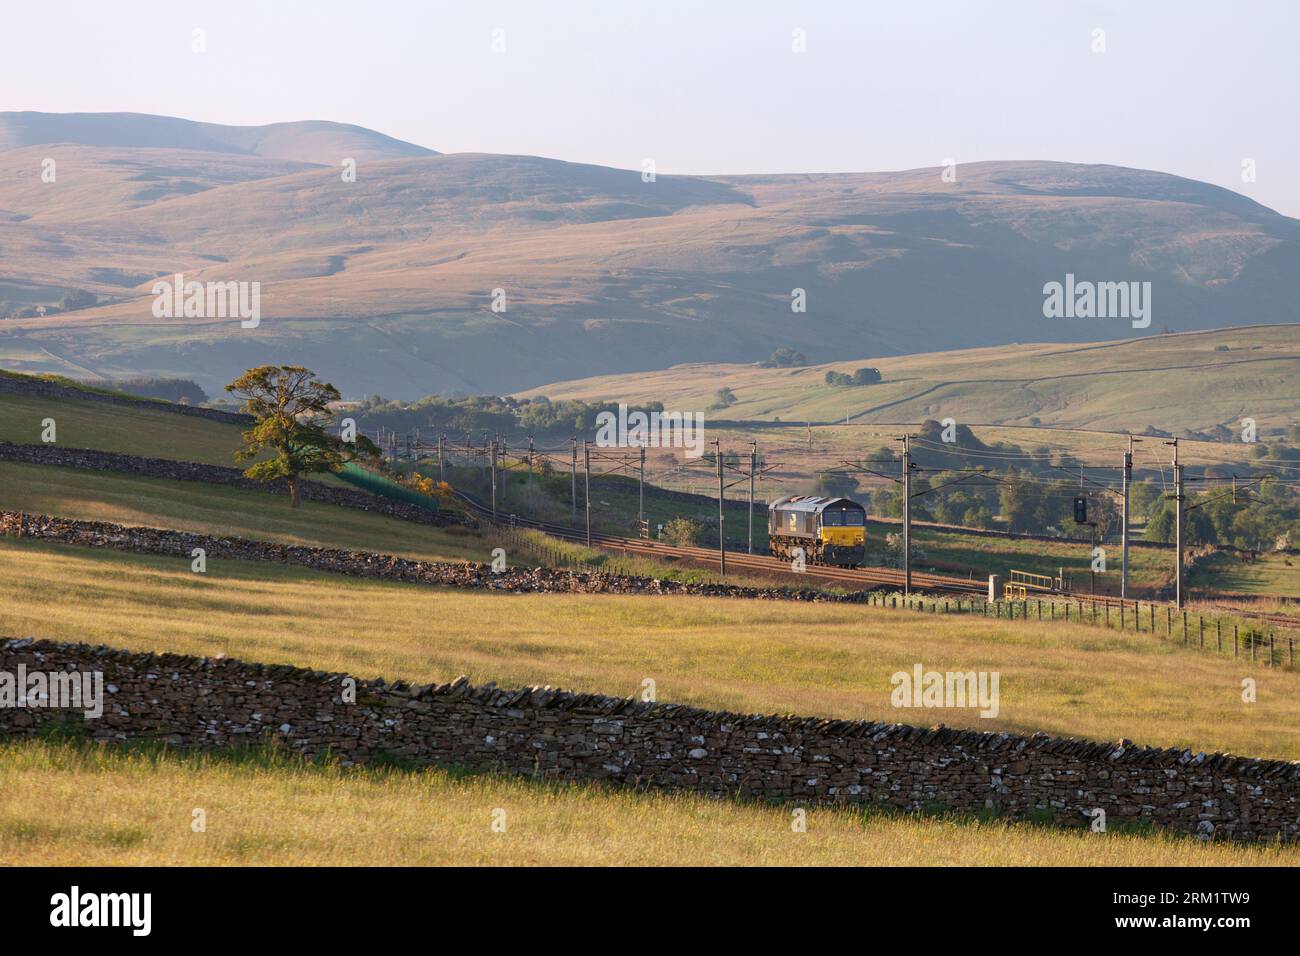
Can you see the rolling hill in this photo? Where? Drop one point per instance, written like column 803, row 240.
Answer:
column 1175, row 383
column 386, row 284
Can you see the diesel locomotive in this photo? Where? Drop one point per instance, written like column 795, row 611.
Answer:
column 829, row 530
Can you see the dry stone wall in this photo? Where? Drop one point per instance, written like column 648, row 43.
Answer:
column 195, row 702
column 370, row 564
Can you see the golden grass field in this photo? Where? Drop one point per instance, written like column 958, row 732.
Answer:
column 746, row 656
column 63, row 804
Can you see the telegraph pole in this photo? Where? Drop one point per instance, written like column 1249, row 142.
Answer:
column 586, row 452
column 573, row 486
column 722, row 537
column 753, row 467
column 1128, row 480
column 530, row 469
column 494, row 479
column 907, row 514
column 1178, row 527
column 640, row 495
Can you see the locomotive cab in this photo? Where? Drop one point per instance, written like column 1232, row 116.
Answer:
column 826, row 530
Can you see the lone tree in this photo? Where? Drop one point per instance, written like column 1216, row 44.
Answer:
column 291, row 408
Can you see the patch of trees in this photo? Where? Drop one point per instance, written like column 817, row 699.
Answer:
column 832, row 485
column 181, row 390
column 785, row 358
column 862, row 376
column 71, row 302
column 1256, row 520
column 78, row 299
column 723, row 398
column 494, row 414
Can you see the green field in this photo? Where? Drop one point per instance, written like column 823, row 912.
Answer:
column 1269, row 575
column 217, row 510
column 130, row 430
column 70, row 805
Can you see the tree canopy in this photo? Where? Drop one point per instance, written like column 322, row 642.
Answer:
column 291, row 409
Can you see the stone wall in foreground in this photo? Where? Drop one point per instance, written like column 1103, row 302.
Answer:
column 207, row 702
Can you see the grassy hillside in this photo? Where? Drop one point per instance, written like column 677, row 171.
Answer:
column 134, row 430
column 216, row 510
column 1176, row 383
column 68, row 805
column 751, row 657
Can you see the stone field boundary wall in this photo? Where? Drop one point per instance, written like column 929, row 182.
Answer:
column 191, row 702
column 87, row 459
column 369, row 564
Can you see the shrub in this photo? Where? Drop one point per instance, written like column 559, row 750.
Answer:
column 682, row 532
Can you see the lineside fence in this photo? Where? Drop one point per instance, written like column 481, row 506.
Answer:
column 1211, row 633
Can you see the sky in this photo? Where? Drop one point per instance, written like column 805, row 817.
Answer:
column 1199, row 89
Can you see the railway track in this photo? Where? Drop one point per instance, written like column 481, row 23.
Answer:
column 740, row 561
column 865, row 578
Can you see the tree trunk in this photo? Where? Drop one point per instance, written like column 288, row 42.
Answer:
column 293, row 492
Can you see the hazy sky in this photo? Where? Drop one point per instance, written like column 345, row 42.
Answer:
column 708, row 86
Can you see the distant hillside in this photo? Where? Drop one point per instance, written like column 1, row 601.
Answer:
column 386, row 284
column 311, row 141
column 1176, row 383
